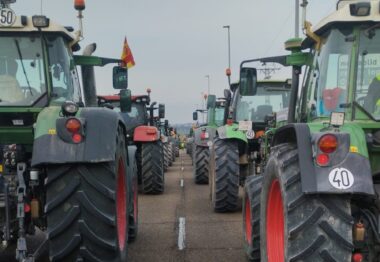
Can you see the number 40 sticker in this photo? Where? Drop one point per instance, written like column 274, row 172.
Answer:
column 341, row 178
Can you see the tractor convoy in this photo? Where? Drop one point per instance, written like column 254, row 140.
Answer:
column 305, row 153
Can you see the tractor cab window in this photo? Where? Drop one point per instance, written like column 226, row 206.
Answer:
column 219, row 116
column 368, row 72
column 65, row 82
column 136, row 117
column 270, row 98
column 331, row 72
column 22, row 74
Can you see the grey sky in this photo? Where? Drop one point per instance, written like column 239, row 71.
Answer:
column 176, row 43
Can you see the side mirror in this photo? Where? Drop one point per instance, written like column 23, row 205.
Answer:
column 227, row 94
column 248, row 81
column 195, row 116
column 120, row 77
column 161, row 110
column 211, row 101
column 125, row 100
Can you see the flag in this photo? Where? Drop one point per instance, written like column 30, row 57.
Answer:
column 126, row 56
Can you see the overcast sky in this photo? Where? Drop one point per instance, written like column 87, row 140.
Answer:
column 176, row 43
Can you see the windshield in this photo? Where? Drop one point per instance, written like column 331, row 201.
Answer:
column 368, row 72
column 219, row 116
column 22, row 74
column 331, row 73
column 270, row 97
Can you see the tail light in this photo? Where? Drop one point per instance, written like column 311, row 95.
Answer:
column 357, row 257
column 204, row 135
column 323, row 159
column 73, row 125
column 328, row 143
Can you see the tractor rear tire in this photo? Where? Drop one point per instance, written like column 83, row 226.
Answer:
column 201, row 165
column 300, row 227
column 166, row 156
column 170, row 153
column 251, row 217
column 225, row 176
column 87, row 209
column 152, row 168
column 173, row 152
column 134, row 210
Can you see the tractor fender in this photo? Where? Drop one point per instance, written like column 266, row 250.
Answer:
column 327, row 180
column 146, row 134
column 231, row 132
column 98, row 145
column 204, row 142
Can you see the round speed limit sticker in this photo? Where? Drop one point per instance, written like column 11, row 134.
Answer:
column 7, row 17
column 341, row 178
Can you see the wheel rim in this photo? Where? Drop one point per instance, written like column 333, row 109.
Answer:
column 248, row 225
column 121, row 206
column 275, row 224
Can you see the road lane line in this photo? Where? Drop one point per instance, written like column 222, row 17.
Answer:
column 181, row 234
column 182, row 183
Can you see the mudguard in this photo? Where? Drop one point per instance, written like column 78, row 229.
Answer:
column 326, row 180
column 231, row 132
column 211, row 131
column 99, row 144
column 146, row 134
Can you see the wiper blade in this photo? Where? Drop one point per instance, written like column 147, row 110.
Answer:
column 23, row 67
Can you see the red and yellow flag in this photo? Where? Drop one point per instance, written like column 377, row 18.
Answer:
column 126, row 56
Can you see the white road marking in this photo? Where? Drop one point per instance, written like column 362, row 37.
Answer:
column 182, row 183
column 182, row 168
column 181, row 234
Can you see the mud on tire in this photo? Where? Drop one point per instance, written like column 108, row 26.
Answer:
column 201, row 165
column 315, row 227
column 84, row 207
column 225, row 176
column 251, row 217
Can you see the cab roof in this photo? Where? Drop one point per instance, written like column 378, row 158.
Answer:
column 24, row 24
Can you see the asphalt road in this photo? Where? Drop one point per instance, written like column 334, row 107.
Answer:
column 208, row 236
column 204, row 236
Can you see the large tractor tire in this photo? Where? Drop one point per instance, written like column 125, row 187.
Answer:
column 170, row 153
column 152, row 168
column 251, row 217
column 134, row 209
column 201, row 165
column 166, row 157
column 225, row 176
column 177, row 150
column 87, row 209
column 300, row 227
column 173, row 152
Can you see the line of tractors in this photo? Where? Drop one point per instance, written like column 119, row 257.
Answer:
column 72, row 162
column 306, row 153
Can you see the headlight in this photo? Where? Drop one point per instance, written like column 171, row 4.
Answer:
column 69, row 108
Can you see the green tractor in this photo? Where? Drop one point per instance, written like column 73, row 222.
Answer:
column 204, row 135
column 235, row 152
column 143, row 133
column 64, row 163
column 318, row 199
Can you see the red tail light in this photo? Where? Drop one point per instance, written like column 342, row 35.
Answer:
column 328, row 143
column 77, row 138
column 204, row 135
column 357, row 257
column 323, row 159
column 73, row 125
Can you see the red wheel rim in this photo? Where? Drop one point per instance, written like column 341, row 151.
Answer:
column 248, row 225
column 275, row 224
column 121, row 206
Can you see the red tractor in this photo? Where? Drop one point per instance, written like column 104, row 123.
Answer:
column 143, row 133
